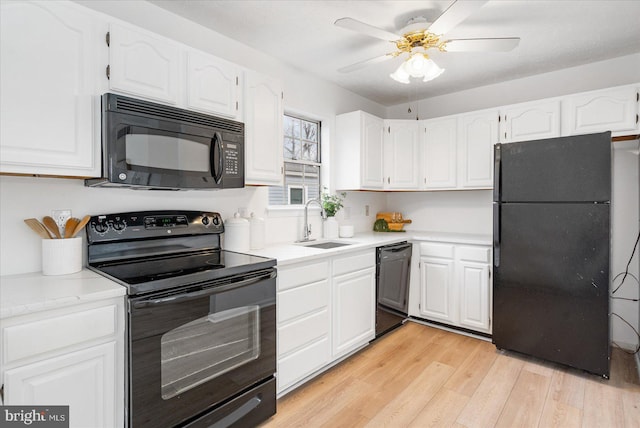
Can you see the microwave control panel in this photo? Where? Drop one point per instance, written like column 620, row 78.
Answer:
column 231, row 159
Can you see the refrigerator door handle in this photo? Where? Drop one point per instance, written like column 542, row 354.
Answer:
column 497, row 158
column 496, row 235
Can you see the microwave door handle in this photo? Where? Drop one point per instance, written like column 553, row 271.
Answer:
column 217, row 148
column 205, row 292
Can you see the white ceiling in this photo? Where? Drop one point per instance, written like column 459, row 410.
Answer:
column 554, row 35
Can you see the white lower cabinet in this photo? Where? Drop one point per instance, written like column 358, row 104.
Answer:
column 303, row 337
column 436, row 277
column 82, row 380
column 353, row 309
column 454, row 285
column 72, row 356
column 326, row 309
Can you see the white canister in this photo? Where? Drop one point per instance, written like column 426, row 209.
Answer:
column 256, row 227
column 61, row 256
column 236, row 233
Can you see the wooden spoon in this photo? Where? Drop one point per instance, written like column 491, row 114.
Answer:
column 38, row 227
column 81, row 225
column 70, row 226
column 52, row 226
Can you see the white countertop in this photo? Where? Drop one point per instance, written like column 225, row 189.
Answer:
column 298, row 252
column 34, row 292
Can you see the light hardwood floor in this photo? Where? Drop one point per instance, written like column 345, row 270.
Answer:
column 420, row 376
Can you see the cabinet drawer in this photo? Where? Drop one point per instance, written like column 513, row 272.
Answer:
column 302, row 300
column 290, row 277
column 51, row 334
column 474, row 254
column 436, row 250
column 302, row 363
column 352, row 263
column 303, row 331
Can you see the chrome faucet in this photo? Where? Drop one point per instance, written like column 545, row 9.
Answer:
column 307, row 226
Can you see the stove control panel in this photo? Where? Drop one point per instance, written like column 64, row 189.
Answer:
column 151, row 224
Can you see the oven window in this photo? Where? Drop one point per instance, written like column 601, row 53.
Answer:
column 144, row 147
column 208, row 347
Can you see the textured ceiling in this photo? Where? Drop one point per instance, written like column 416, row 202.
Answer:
column 554, row 35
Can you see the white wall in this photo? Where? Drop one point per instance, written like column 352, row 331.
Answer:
column 624, row 231
column 447, row 211
column 24, row 197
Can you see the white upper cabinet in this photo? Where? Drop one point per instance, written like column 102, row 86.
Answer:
column 613, row 109
column 143, row 64
column 477, row 133
column 213, row 85
column 49, row 75
column 530, row 121
column 263, row 130
column 439, row 153
column 359, row 148
column 402, row 155
column 146, row 65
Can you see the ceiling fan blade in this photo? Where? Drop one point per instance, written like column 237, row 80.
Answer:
column 362, row 64
column 369, row 30
column 482, row 45
column 457, row 12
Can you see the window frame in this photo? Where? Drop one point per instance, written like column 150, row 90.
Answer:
column 319, row 164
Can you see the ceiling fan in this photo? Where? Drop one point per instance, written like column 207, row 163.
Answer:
column 420, row 35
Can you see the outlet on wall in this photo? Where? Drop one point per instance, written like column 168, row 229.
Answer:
column 61, row 217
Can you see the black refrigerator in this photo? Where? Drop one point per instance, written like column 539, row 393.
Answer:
column 551, row 232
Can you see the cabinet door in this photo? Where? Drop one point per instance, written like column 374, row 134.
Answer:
column 477, row 134
column 473, row 284
column 212, row 85
column 263, row 131
column 372, row 152
column 402, row 148
column 531, row 121
column 143, row 64
column 437, row 289
column 614, row 110
column 49, row 76
column 83, row 380
column 353, row 310
column 440, row 153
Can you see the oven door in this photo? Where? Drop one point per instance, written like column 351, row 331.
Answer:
column 194, row 350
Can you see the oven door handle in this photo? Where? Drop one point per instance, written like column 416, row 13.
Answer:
column 205, row 292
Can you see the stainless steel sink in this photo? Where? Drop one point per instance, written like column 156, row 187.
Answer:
column 327, row 245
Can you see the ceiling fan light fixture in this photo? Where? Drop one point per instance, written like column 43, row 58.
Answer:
column 417, row 65
column 432, row 71
column 400, row 75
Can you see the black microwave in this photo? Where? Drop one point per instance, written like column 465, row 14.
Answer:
column 152, row 146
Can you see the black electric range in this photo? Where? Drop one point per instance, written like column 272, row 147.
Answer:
column 201, row 321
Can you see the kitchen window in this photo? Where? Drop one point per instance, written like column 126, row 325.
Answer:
column 301, row 146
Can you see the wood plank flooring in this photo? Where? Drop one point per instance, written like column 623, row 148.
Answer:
column 420, row 376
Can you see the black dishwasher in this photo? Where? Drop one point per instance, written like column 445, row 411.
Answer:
column 393, row 263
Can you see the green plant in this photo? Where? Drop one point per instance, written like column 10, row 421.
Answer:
column 332, row 203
